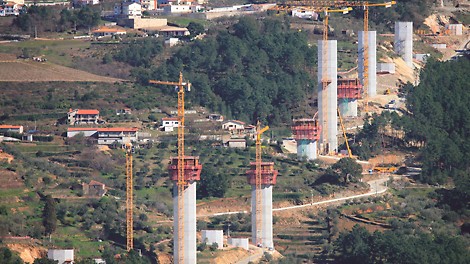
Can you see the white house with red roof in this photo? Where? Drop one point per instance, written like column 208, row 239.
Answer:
column 108, row 32
column 83, row 116
column 12, row 129
column 169, row 124
column 12, row 9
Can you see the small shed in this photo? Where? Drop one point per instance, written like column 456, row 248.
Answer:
column 237, row 143
column 213, row 236
column 238, row 242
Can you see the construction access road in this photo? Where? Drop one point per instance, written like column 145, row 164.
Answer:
column 377, row 187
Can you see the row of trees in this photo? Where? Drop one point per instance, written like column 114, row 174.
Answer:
column 42, row 18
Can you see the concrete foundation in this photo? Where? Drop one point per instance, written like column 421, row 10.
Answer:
column 189, row 224
column 328, row 114
column 372, row 60
column 307, row 149
column 267, row 216
column 348, row 107
column 403, row 41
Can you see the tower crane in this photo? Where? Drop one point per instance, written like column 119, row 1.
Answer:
column 181, row 182
column 258, row 183
column 129, row 198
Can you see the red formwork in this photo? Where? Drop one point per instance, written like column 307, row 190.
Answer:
column 349, row 89
column 306, row 128
column 268, row 173
column 192, row 168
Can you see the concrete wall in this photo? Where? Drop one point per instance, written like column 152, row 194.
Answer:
column 86, row 133
column 213, row 236
column 146, row 23
column 307, row 149
column 267, row 216
column 403, row 41
column 372, row 59
column 238, row 242
column 328, row 119
column 60, row 255
column 347, row 107
column 455, row 29
column 189, row 224
column 386, row 68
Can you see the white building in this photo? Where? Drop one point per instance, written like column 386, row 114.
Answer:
column 62, row 256
column 238, row 242
column 108, row 32
column 12, row 9
column 86, row 131
column 455, row 29
column 169, row 124
column 121, row 135
column 128, row 9
column 83, row 116
column 233, row 125
column 304, row 14
column 236, row 143
column 12, row 129
column 177, row 9
column 213, row 236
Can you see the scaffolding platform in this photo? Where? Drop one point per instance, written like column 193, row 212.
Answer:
column 192, row 168
column 349, row 89
column 306, row 129
column 268, row 173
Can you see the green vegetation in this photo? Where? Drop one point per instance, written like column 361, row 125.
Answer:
column 359, row 246
column 255, row 70
column 139, row 52
column 42, row 19
column 9, row 257
column 49, row 215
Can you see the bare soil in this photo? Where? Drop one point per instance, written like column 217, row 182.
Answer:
column 19, row 70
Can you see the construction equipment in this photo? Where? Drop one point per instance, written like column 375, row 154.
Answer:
column 129, row 198
column 181, row 183
column 259, row 207
column 344, row 134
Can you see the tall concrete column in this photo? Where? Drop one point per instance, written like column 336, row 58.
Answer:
column 189, row 224
column 328, row 64
column 267, row 215
column 403, row 41
column 372, row 55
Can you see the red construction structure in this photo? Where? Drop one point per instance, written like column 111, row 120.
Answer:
column 268, row 173
column 192, row 168
column 306, row 129
column 349, row 89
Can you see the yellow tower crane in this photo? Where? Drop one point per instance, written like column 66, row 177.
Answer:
column 258, row 182
column 181, row 182
column 129, row 199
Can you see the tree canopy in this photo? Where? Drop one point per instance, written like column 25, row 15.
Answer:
column 253, row 70
column 360, row 246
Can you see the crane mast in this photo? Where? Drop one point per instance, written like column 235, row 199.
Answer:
column 258, row 183
column 129, row 199
column 181, row 182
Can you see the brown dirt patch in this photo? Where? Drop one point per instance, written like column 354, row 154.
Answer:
column 28, row 253
column 10, row 180
column 347, row 224
column 6, row 157
column 30, row 71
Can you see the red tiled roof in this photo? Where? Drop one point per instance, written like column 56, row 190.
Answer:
column 118, row 129
column 169, row 119
column 93, row 182
column 88, row 112
column 249, row 127
column 82, row 129
column 108, row 30
column 10, row 126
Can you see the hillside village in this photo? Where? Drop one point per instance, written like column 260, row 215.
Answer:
column 293, row 130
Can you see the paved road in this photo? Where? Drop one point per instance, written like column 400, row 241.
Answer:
column 252, row 258
column 376, row 187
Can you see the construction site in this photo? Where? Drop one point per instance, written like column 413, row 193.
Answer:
column 255, row 224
